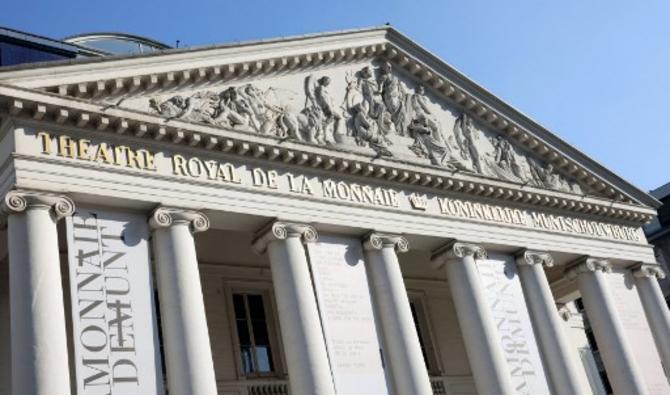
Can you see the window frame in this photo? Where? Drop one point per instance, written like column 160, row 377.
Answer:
column 263, row 289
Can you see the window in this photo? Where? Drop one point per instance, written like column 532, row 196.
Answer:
column 421, row 324
column 253, row 334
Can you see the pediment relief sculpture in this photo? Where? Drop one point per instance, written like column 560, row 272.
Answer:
column 369, row 109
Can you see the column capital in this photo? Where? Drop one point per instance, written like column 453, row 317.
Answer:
column 588, row 264
column 164, row 217
column 530, row 258
column 280, row 230
column 16, row 202
column 377, row 241
column 457, row 249
column 649, row 270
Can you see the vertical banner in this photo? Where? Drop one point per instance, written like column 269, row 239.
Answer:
column 636, row 331
column 347, row 317
column 115, row 336
column 515, row 332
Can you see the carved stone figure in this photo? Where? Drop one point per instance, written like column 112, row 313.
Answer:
column 393, row 96
column 430, row 143
column 173, row 107
column 506, row 158
column 465, row 136
column 368, row 121
column 367, row 130
column 418, row 105
column 368, row 88
column 263, row 115
column 232, row 110
column 545, row 176
column 320, row 108
column 197, row 108
column 302, row 126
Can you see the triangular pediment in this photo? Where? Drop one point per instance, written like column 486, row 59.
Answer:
column 370, row 92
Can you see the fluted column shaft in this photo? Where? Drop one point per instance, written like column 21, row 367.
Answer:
column 402, row 350
column 188, row 355
column 655, row 308
column 554, row 347
column 38, row 334
column 621, row 368
column 489, row 368
column 304, row 345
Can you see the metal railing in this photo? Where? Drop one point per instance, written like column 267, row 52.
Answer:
column 255, row 387
column 441, row 385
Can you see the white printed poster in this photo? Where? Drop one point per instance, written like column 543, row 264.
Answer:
column 346, row 311
column 503, row 291
column 115, row 336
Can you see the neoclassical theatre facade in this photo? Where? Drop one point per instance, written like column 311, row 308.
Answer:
column 340, row 213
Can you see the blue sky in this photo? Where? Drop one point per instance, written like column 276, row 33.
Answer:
column 597, row 73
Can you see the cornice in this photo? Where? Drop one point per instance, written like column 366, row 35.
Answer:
column 28, row 104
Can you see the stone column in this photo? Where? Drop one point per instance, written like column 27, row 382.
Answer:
column 554, row 347
column 489, row 368
column 646, row 280
column 188, row 355
column 621, row 368
column 5, row 334
column 304, row 345
column 402, row 350
column 38, row 334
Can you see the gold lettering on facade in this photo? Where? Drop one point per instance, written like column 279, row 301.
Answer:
column 84, row 149
column 506, row 215
column 196, row 168
column 299, row 184
column 104, row 154
column 66, row 147
column 352, row 192
column 46, row 142
column 339, row 190
column 264, row 178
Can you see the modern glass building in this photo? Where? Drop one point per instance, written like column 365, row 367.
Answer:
column 116, row 43
column 17, row 47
